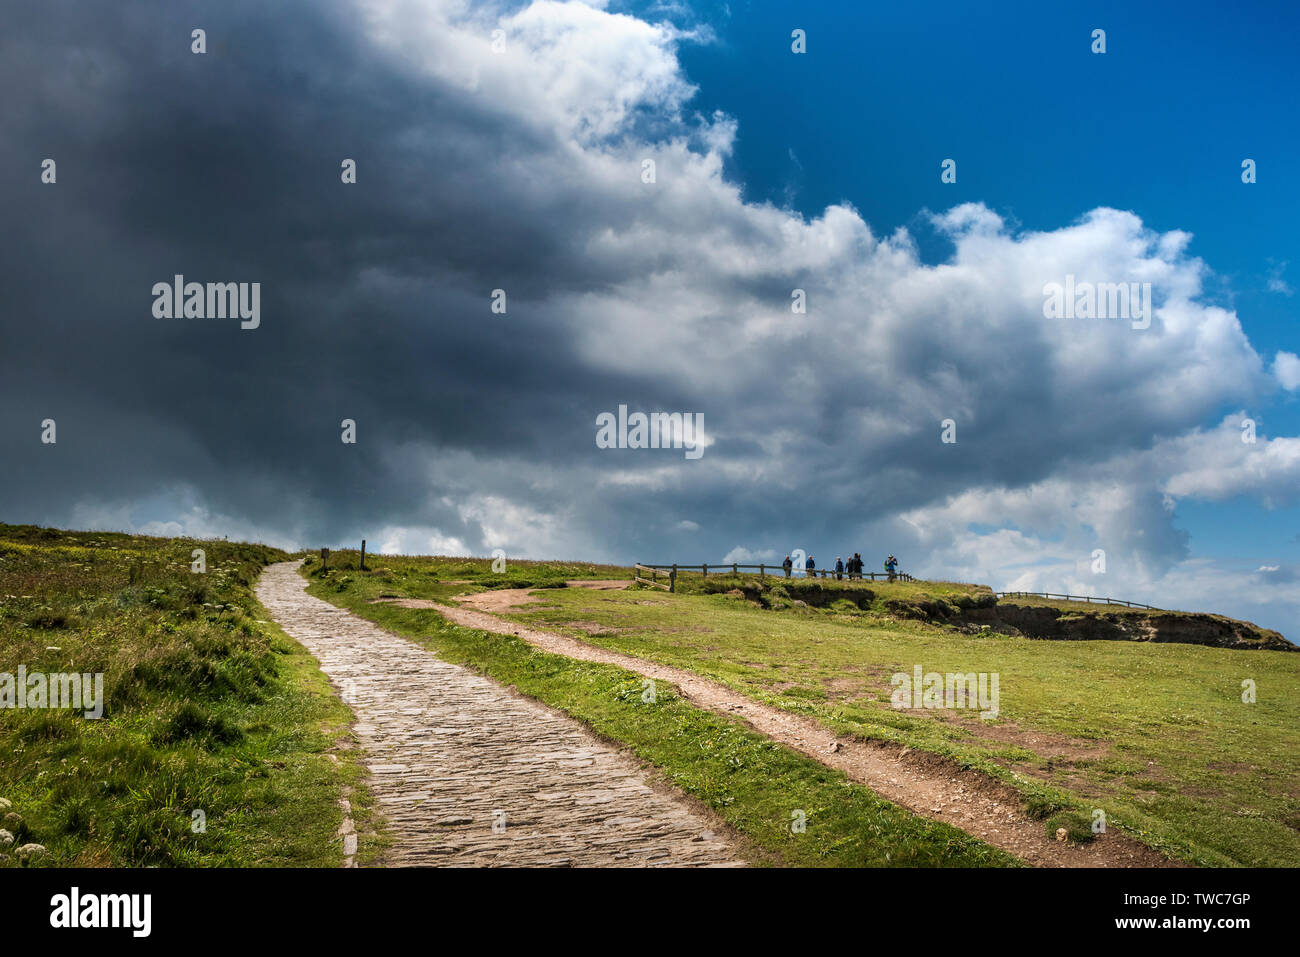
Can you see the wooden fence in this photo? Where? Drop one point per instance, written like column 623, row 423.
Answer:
column 1087, row 598
column 665, row 576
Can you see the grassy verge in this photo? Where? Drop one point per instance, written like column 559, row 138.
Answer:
column 214, row 747
column 760, row 788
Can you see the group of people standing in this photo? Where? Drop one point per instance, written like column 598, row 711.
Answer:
column 853, row 567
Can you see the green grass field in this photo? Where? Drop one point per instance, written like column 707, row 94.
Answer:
column 756, row 786
column 208, row 708
column 1156, row 735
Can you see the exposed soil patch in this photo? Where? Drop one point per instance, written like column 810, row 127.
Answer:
column 506, row 599
column 1058, row 748
column 500, row 600
column 1230, row 767
column 593, row 627
column 843, row 689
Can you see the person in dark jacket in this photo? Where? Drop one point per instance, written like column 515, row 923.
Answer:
column 839, row 569
column 891, row 566
column 787, row 565
column 810, row 567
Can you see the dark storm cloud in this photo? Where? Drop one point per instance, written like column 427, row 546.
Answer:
column 226, row 167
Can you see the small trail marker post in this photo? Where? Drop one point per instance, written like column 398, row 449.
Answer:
column 363, row 554
column 324, row 559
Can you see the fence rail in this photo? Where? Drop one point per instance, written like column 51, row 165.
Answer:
column 1086, row 598
column 653, row 578
column 665, row 576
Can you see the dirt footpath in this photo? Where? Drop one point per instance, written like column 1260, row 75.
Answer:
column 924, row 784
column 468, row 774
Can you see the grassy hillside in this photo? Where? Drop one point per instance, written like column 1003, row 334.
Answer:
column 207, row 708
column 751, row 782
column 436, row 577
column 1155, row 734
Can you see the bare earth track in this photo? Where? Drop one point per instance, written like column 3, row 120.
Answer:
column 925, row 785
column 452, row 754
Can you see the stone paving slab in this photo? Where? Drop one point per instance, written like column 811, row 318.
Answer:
column 451, row 754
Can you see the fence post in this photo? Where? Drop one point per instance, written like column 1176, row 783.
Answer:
column 363, row 554
column 672, row 578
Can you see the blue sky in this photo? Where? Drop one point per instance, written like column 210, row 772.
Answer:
column 1042, row 128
